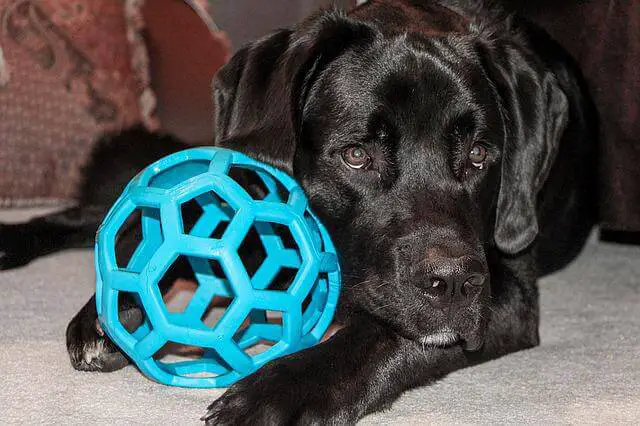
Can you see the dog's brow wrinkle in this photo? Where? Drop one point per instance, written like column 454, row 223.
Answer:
column 450, row 65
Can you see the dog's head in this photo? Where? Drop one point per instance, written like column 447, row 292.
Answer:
column 421, row 147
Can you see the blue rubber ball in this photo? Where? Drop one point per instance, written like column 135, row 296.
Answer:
column 235, row 198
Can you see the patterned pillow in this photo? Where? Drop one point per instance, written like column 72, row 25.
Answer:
column 70, row 70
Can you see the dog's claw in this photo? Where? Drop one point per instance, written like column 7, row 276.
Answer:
column 207, row 417
column 217, row 414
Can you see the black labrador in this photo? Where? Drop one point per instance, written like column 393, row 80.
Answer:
column 450, row 150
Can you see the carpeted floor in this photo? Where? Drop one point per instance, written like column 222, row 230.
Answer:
column 587, row 369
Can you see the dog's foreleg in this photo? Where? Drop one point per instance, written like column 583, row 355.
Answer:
column 71, row 228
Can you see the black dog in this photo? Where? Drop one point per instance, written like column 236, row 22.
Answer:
column 450, row 150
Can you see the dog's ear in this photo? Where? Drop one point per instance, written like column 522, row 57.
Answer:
column 536, row 114
column 260, row 94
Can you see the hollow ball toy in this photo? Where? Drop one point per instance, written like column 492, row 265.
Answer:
column 266, row 206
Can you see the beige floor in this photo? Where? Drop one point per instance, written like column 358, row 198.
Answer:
column 587, row 369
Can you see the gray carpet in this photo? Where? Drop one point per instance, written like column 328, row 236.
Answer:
column 586, row 370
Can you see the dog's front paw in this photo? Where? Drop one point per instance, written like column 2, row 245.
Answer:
column 89, row 348
column 279, row 393
column 15, row 246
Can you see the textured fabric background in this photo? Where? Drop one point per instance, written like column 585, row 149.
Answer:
column 71, row 70
column 70, row 78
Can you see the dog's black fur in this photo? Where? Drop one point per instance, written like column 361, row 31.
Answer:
column 440, row 256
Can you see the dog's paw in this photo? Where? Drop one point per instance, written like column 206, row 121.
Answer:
column 14, row 247
column 241, row 405
column 90, row 349
column 277, row 394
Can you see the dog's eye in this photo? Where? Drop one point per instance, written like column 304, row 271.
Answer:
column 356, row 157
column 478, row 156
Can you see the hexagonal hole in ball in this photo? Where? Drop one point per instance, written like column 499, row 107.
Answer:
column 259, row 331
column 202, row 275
column 250, row 181
column 270, row 255
column 252, row 251
column 191, row 211
column 259, row 184
column 314, row 303
column 206, row 216
column 138, row 238
column 131, row 315
column 189, row 275
column 190, row 361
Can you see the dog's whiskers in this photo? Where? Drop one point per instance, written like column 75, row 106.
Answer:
column 381, row 307
column 360, row 284
column 423, row 340
column 347, row 275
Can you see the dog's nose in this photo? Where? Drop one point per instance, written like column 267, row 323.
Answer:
column 447, row 281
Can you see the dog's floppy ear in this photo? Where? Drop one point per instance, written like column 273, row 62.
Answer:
column 537, row 112
column 259, row 95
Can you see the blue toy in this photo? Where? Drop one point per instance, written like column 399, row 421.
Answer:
column 271, row 206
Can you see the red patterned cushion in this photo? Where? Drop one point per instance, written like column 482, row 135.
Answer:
column 67, row 75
